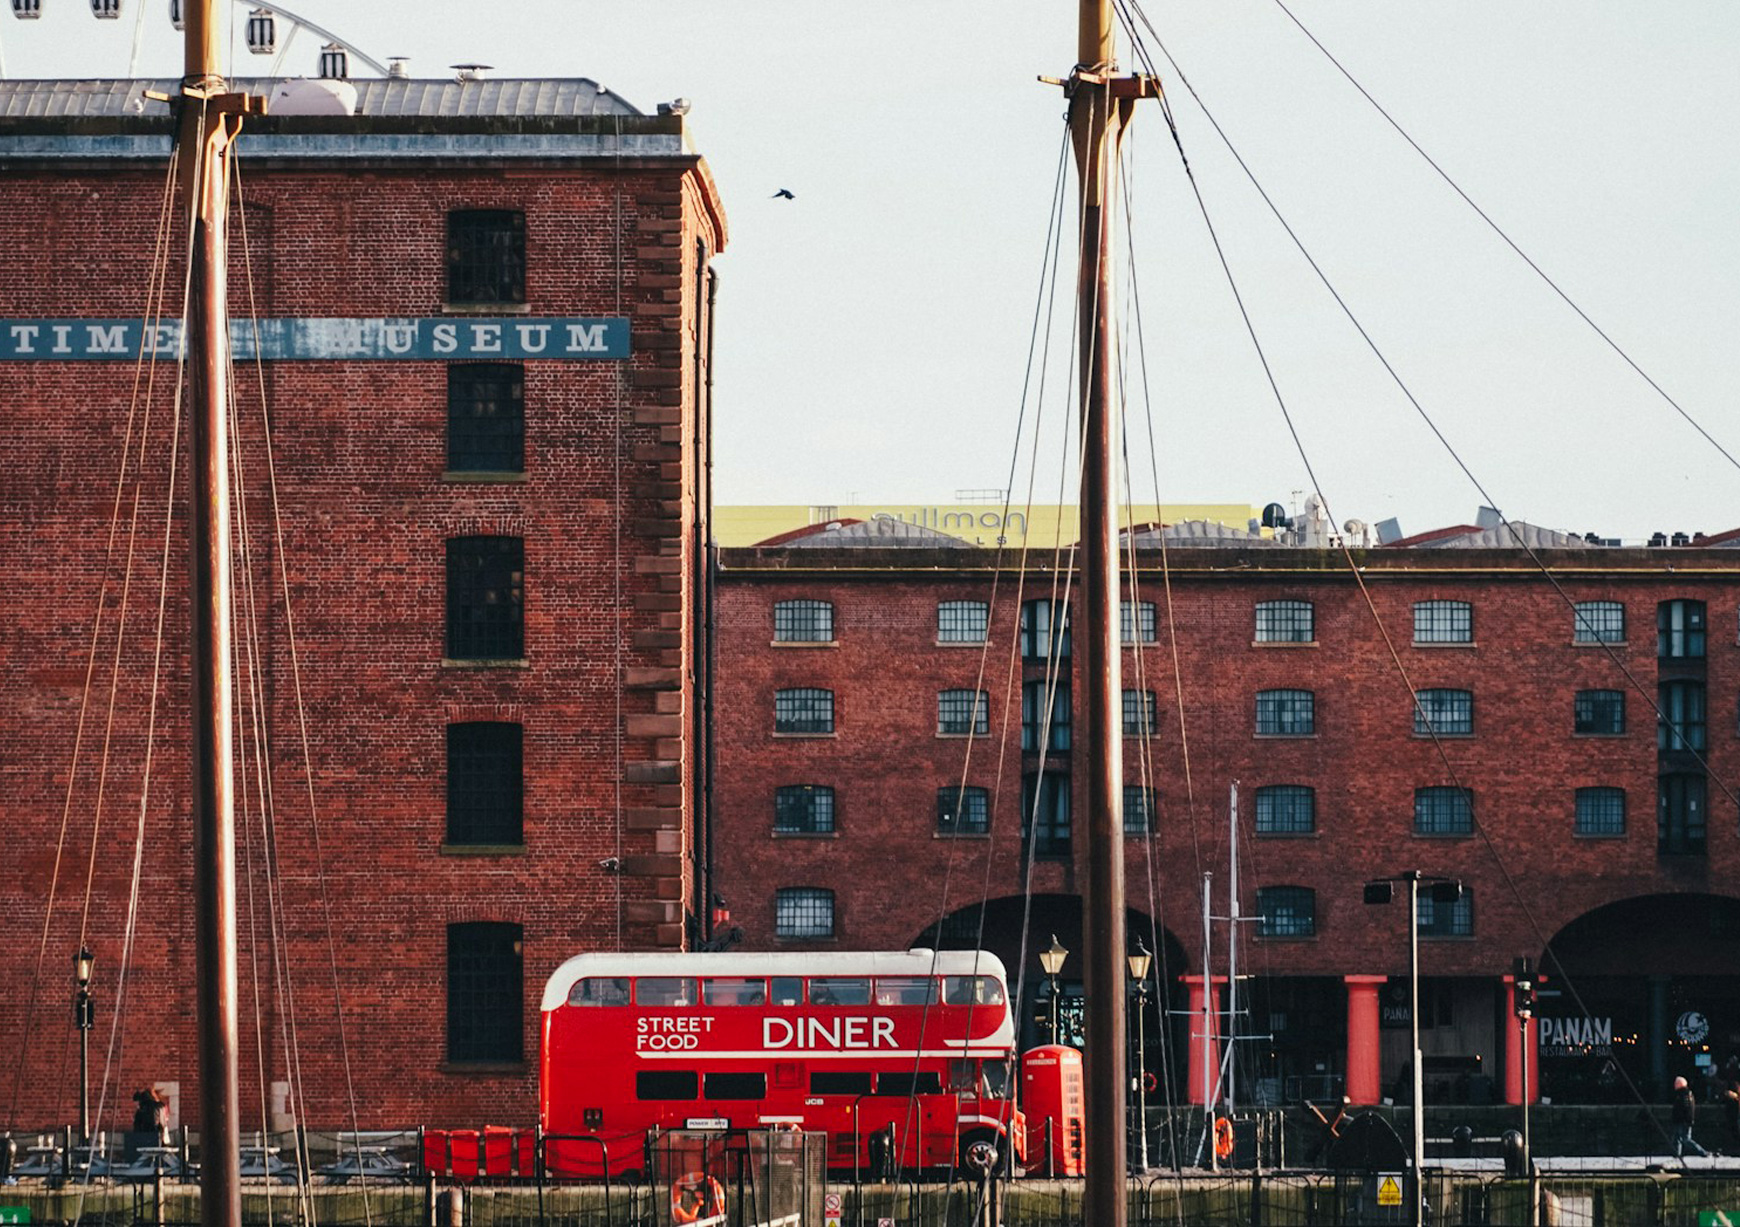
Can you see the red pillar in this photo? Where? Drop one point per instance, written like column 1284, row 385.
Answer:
column 1513, row 1051
column 1202, row 1053
column 1363, row 1077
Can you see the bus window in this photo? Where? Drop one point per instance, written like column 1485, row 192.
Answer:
column 664, row 990
column 834, row 1082
column 839, row 990
column 924, row 1082
column 996, row 1079
column 788, row 990
column 972, row 990
column 736, row 1086
column 596, row 991
column 666, row 1084
column 905, row 990
column 722, row 991
column 963, row 1075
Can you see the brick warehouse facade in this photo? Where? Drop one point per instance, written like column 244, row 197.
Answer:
column 495, row 569
column 846, row 830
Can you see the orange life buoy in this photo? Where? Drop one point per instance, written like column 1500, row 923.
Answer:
column 1223, row 1138
column 696, row 1196
column 1150, row 1083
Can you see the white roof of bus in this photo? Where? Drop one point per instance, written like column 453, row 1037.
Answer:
column 775, row 963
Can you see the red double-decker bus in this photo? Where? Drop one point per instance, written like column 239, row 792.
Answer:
column 901, row 1059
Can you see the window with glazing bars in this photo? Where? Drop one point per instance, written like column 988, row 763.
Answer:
column 1137, row 622
column 1036, row 732
column 1286, row 622
column 1286, row 809
column 1598, row 711
column 1443, row 622
column 485, row 783
column 962, row 621
column 1449, row 713
column 1140, row 713
column 486, row 256
column 803, row 621
column 486, row 417
column 963, row 712
column 1141, row 809
column 963, row 811
column 1598, row 622
column 1287, row 911
column 1443, row 811
column 803, row 912
column 1600, row 811
column 1044, row 630
column 803, row 709
column 486, row 598
column 485, row 992
column 1681, row 726
column 1679, row 629
column 1439, row 919
column 1680, row 822
column 1045, row 814
column 803, row 809
column 1286, row 713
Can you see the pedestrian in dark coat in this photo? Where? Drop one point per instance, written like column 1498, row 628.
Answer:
column 1685, row 1115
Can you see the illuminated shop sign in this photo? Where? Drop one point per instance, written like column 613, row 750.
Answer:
column 442, row 338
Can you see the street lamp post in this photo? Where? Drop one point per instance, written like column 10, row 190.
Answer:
column 1052, row 961
column 1523, row 999
column 84, row 1015
column 1139, row 961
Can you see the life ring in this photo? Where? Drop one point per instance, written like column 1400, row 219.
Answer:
column 696, row 1196
column 1223, row 1138
column 1150, row 1083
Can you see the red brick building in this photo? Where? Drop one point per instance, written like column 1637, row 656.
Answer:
column 485, row 309
column 1589, row 835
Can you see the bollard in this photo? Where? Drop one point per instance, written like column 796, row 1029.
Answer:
column 1516, row 1159
column 1462, row 1141
column 451, row 1207
column 8, row 1157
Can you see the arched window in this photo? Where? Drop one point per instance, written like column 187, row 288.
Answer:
column 1286, row 713
column 1286, row 809
column 803, row 709
column 1286, row 911
column 1449, row 713
column 803, row 809
column 803, row 913
column 1443, row 811
column 963, row 713
column 1599, row 712
column 1443, row 622
column 485, row 992
column 1600, row 811
column 963, row 811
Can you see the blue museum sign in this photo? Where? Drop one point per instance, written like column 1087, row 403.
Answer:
column 508, row 338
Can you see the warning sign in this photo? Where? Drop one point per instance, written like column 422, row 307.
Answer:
column 831, row 1220
column 831, row 1203
column 1389, row 1190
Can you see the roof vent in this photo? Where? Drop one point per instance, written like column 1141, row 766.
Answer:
column 1657, row 540
column 1488, row 517
column 470, row 72
column 1388, row 530
column 303, row 97
column 398, row 65
column 1275, row 516
column 676, row 106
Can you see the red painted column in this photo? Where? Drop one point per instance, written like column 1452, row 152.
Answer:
column 1200, row 1052
column 1513, row 1051
column 1363, row 1076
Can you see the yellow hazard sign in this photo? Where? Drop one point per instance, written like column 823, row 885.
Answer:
column 1389, row 1192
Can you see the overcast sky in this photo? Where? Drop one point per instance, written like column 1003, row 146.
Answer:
column 874, row 330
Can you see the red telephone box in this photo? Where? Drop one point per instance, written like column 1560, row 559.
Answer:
column 1053, row 1100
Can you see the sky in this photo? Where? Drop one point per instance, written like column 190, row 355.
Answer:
column 875, row 331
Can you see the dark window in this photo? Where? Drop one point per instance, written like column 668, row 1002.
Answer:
column 1445, row 712
column 486, row 256
column 960, row 713
column 1286, row 713
column 786, row 990
column 823, row 1082
column 1679, row 629
column 735, row 1086
column 1140, row 713
column 840, row 990
column 1443, row 622
column 1287, row 911
column 1286, row 809
column 1679, row 823
column 733, row 990
column 906, row 990
column 1137, row 622
column 666, row 1084
column 803, row 912
column 1598, row 622
column 484, row 992
column 1141, row 809
column 803, row 710
column 1599, row 711
column 803, row 809
column 599, row 990
column 665, row 991
column 1036, row 731
column 485, row 783
column 1600, row 811
column 1286, row 622
column 1439, row 919
column 923, row 1082
column 486, row 598
column 963, row 811
column 803, row 622
column 1681, row 726
column 1044, row 630
column 1443, row 811
column 1045, row 813
column 486, row 417
column 962, row 621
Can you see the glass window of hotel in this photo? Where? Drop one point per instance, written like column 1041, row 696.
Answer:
column 1443, row 811
column 1141, row 809
column 485, row 783
column 1044, row 630
column 1680, row 822
column 803, row 709
column 962, row 621
column 486, row 598
column 1598, row 711
column 1045, row 814
column 1679, row 629
column 963, row 811
column 1598, row 622
column 1443, row 622
column 1137, row 622
column 1286, row 713
column 485, row 990
column 1286, row 809
column 1286, row 911
column 1681, row 726
column 960, row 713
column 1037, row 731
column 1141, row 713
column 1447, row 919
column 486, row 256
column 803, row 913
column 803, row 809
column 1600, row 811
column 1448, row 713
column 486, row 417
column 1286, row 622
column 803, row 622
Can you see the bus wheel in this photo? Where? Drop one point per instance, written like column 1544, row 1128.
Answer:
column 982, row 1151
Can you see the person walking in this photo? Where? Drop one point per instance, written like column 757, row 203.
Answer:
column 1685, row 1115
